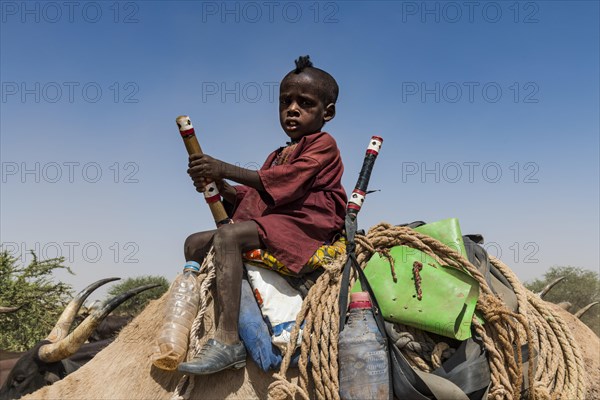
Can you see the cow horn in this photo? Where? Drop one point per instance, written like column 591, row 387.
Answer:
column 67, row 346
column 585, row 309
column 63, row 325
column 549, row 286
column 6, row 310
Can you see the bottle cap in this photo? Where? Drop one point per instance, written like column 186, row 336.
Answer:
column 360, row 300
column 192, row 265
column 359, row 296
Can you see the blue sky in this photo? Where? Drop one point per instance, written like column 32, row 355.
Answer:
column 488, row 110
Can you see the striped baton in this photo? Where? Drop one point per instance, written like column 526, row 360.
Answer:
column 211, row 191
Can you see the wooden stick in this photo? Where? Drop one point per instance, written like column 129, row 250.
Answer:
column 211, row 191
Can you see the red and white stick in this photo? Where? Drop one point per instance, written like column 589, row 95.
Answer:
column 360, row 191
column 211, row 191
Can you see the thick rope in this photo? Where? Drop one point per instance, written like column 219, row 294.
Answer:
column 564, row 373
column 320, row 314
column 559, row 373
column 560, row 364
column 502, row 325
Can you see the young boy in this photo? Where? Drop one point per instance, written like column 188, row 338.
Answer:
column 290, row 207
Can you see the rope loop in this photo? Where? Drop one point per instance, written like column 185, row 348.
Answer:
column 560, row 366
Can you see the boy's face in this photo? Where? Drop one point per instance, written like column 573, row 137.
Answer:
column 301, row 111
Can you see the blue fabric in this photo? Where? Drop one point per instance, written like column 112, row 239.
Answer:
column 285, row 326
column 254, row 332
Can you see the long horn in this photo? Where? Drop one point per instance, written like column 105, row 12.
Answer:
column 63, row 325
column 549, row 286
column 585, row 309
column 5, row 310
column 66, row 347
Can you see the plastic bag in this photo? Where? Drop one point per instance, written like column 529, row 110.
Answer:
column 279, row 303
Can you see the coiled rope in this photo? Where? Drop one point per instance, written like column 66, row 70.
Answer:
column 320, row 314
column 559, row 373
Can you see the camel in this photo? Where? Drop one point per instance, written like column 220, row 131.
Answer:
column 124, row 369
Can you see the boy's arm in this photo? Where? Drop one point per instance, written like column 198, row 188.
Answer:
column 228, row 192
column 279, row 184
column 204, row 166
column 232, row 196
column 244, row 176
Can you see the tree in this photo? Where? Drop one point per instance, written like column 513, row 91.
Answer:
column 580, row 287
column 41, row 299
column 136, row 304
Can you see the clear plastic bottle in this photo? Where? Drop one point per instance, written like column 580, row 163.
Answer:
column 363, row 356
column 180, row 312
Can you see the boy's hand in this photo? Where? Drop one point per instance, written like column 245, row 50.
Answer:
column 205, row 166
column 204, row 169
column 200, row 184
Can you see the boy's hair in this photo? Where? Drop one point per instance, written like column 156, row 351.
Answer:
column 328, row 87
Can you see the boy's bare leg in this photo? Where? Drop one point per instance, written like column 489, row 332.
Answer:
column 197, row 245
column 226, row 350
column 229, row 242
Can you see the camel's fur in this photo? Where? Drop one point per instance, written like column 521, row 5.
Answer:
column 590, row 349
column 124, row 370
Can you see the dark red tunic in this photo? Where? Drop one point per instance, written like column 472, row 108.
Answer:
column 304, row 204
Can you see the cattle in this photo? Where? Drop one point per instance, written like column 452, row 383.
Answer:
column 565, row 305
column 62, row 353
column 585, row 309
column 104, row 333
column 549, row 286
column 109, row 327
column 25, row 373
column 7, row 360
column 124, row 369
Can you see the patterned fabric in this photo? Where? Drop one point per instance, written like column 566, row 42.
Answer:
column 323, row 255
column 284, row 154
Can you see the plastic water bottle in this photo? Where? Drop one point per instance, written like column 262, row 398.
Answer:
column 180, row 312
column 363, row 356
